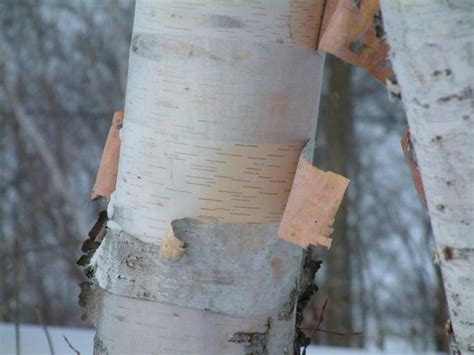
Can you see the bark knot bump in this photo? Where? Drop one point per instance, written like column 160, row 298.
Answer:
column 172, row 249
column 448, row 253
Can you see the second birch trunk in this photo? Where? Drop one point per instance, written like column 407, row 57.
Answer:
column 432, row 52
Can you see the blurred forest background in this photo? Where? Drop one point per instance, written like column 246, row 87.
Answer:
column 63, row 71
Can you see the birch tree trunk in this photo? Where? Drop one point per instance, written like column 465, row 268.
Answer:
column 221, row 98
column 432, row 45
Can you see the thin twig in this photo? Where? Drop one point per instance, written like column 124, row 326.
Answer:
column 334, row 332
column 318, row 329
column 321, row 319
column 45, row 328
column 70, row 345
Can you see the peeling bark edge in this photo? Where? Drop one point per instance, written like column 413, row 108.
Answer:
column 89, row 295
column 307, row 288
column 313, row 202
column 107, row 173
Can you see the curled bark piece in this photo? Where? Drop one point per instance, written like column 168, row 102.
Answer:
column 172, row 249
column 352, row 31
column 312, row 206
column 107, row 173
column 410, row 157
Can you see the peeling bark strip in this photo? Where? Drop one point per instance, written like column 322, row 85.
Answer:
column 432, row 52
column 352, row 30
column 107, row 173
column 312, row 206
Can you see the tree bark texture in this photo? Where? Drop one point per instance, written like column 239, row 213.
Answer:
column 432, row 44
column 221, row 99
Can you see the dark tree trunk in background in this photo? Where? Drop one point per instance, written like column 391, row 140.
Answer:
column 440, row 316
column 336, row 131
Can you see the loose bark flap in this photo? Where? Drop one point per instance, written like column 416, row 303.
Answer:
column 172, row 249
column 352, row 30
column 107, row 173
column 312, row 206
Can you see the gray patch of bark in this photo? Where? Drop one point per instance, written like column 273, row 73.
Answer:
column 227, row 268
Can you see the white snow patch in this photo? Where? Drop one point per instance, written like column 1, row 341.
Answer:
column 332, row 350
column 33, row 340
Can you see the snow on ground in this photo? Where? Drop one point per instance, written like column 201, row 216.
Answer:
column 33, row 342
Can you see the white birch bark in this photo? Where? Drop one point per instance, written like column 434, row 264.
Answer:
column 432, row 50
column 221, row 98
